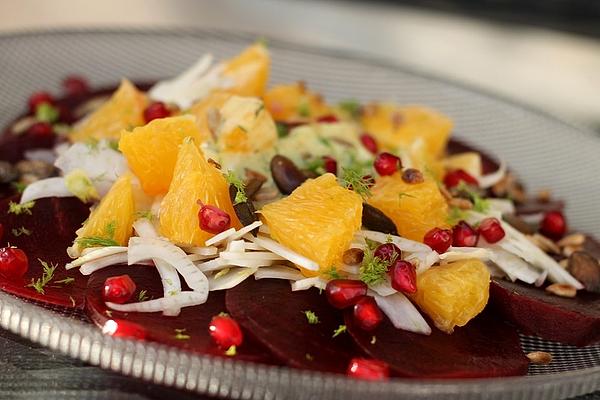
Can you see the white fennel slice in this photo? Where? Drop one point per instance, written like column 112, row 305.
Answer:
column 179, row 300
column 402, row 243
column 49, row 187
column 220, row 238
column 402, row 313
column 307, row 283
column 286, row 253
column 152, row 248
column 278, row 272
column 489, row 180
column 231, row 279
column 96, row 265
column 100, row 252
column 168, row 274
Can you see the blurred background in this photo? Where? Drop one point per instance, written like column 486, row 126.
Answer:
column 545, row 53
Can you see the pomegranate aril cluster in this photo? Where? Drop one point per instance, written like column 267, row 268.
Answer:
column 553, row 225
column 119, row 289
column 212, row 219
column 13, row 263
column 387, row 164
column 464, row 235
column 438, row 239
column 368, row 369
column 455, row 177
column 156, row 110
column 225, row 331
column 491, row 230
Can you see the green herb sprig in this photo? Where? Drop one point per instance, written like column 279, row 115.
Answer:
column 47, row 275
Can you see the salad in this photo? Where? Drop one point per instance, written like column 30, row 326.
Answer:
column 218, row 213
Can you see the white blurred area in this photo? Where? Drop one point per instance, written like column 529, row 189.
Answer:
column 553, row 71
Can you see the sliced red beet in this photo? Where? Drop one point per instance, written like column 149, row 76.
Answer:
column 485, row 347
column 193, row 320
column 274, row 315
column 533, row 310
column 51, row 227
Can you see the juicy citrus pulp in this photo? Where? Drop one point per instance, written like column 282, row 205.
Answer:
column 454, row 293
column 194, row 179
column 294, row 102
column 318, row 220
column 398, row 127
column 415, row 208
column 124, row 110
column 249, row 71
column 110, row 223
column 151, row 150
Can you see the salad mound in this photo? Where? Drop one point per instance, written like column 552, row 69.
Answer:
column 214, row 212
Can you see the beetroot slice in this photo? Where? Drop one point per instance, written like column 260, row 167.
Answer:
column 52, row 225
column 485, row 347
column 275, row 317
column 573, row 321
column 194, row 320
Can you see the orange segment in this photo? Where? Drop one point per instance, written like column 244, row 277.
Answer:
column 249, row 71
column 206, row 109
column 294, row 102
column 151, row 150
column 193, row 179
column 414, row 208
column 454, row 293
column 318, row 220
column 395, row 126
column 245, row 126
column 124, row 110
column 112, row 219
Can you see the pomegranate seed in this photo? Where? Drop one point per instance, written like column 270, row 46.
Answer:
column 38, row 98
column 491, row 230
column 387, row 252
column 41, row 130
column 404, row 276
column 387, row 164
column 328, row 119
column 13, row 263
column 75, row 86
column 438, row 239
column 554, row 224
column 368, row 369
column 455, row 177
column 156, row 110
column 463, row 235
column 342, row 293
column 212, row 219
column 367, row 314
column 330, row 164
column 123, row 328
column 369, row 142
column 225, row 331
column 118, row 289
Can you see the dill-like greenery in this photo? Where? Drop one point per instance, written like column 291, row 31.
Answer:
column 340, row 329
column 18, row 209
column 47, row 275
column 354, row 179
column 311, row 317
